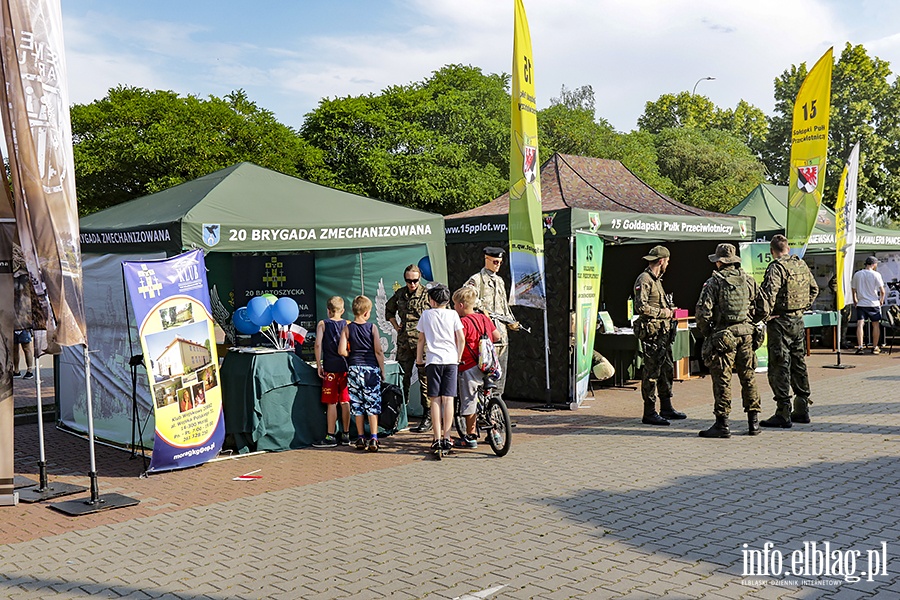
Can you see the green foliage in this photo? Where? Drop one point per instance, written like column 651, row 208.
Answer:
column 441, row 144
column 681, row 110
column 711, row 169
column 135, row 142
column 865, row 108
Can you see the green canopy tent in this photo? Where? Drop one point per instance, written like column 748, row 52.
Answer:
column 262, row 232
column 767, row 203
column 603, row 198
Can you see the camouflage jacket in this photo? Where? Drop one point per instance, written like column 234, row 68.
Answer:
column 773, row 293
column 407, row 307
column 709, row 313
column 492, row 299
column 649, row 296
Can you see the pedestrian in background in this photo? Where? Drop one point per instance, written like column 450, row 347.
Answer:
column 868, row 296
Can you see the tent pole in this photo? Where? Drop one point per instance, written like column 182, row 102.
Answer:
column 546, row 359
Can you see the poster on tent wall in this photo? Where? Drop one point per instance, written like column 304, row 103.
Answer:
column 755, row 258
column 170, row 299
column 285, row 275
column 809, row 148
column 526, row 231
column 588, row 265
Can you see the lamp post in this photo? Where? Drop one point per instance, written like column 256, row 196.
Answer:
column 694, row 91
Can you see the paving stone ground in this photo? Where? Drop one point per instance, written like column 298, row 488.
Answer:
column 588, row 504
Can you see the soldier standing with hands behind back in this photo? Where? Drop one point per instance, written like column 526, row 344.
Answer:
column 654, row 328
column 725, row 315
column 788, row 289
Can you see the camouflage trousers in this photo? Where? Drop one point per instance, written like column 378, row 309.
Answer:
column 742, row 362
column 407, row 359
column 658, row 369
column 787, row 359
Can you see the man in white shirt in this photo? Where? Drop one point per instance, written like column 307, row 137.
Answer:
column 868, row 296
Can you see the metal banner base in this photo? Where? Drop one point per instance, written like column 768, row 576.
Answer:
column 838, row 366
column 54, row 490
column 21, row 482
column 86, row 506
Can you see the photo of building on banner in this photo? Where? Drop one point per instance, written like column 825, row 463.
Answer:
column 171, row 304
column 526, row 230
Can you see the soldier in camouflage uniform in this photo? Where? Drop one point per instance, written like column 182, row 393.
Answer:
column 725, row 316
column 655, row 329
column 788, row 289
column 403, row 311
column 492, row 301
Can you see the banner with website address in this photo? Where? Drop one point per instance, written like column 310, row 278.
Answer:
column 171, row 305
column 755, row 258
column 588, row 265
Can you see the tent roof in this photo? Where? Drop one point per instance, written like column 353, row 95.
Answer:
column 595, row 184
column 768, row 204
column 282, row 212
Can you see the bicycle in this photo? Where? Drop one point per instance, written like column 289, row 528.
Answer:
column 491, row 417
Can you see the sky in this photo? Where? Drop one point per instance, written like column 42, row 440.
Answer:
column 289, row 54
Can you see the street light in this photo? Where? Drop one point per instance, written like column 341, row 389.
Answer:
column 694, row 91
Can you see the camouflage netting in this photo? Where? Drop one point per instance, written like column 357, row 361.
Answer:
column 527, row 377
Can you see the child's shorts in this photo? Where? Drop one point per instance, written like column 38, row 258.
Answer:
column 334, row 389
column 365, row 390
column 469, row 380
column 441, row 380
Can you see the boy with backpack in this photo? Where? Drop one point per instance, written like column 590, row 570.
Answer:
column 332, row 368
column 475, row 325
column 442, row 331
column 360, row 343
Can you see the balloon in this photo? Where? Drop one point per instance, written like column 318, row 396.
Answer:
column 425, row 268
column 285, row 311
column 259, row 311
column 242, row 322
column 270, row 298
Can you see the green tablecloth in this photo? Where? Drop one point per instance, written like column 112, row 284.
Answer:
column 273, row 401
column 622, row 350
column 820, row 319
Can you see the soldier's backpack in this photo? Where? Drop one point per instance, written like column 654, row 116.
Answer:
column 734, row 298
column 794, row 295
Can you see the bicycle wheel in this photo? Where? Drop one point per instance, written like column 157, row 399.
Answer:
column 459, row 421
column 500, row 431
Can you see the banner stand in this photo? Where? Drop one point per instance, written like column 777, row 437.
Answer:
column 137, row 430
column 44, row 491
column 96, row 502
column 837, row 334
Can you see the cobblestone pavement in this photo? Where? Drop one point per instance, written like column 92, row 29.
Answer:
column 588, row 504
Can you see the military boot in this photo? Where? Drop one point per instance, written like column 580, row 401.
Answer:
column 753, row 422
column 666, row 411
column 781, row 418
column 719, row 429
column 424, row 425
column 650, row 415
column 800, row 414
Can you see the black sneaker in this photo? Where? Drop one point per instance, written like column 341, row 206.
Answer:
column 17, row 374
column 446, row 447
column 360, row 443
column 437, row 449
column 28, row 375
column 329, row 442
column 471, row 440
column 345, row 439
column 373, row 445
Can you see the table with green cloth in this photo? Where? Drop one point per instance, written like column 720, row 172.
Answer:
column 272, row 401
column 820, row 319
column 622, row 349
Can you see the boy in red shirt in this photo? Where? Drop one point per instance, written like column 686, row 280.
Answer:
column 475, row 324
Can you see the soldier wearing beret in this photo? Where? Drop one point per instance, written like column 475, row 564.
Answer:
column 725, row 316
column 654, row 328
column 493, row 301
column 403, row 310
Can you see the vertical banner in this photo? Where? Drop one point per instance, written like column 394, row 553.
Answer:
column 809, row 148
column 8, row 496
column 755, row 257
column 588, row 264
column 171, row 306
column 845, row 229
column 34, row 103
column 526, row 234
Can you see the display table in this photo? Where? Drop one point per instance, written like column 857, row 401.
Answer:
column 622, row 349
column 272, row 401
column 820, row 319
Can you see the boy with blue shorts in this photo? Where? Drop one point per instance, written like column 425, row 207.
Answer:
column 361, row 345
column 442, row 332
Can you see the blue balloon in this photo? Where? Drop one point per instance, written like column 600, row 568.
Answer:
column 242, row 322
column 425, row 268
column 285, row 311
column 259, row 311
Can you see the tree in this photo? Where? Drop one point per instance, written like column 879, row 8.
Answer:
column 441, row 144
column 136, row 141
column 711, row 169
column 864, row 108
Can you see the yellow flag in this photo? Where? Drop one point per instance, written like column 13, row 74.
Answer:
column 526, row 233
column 809, row 147
column 845, row 228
